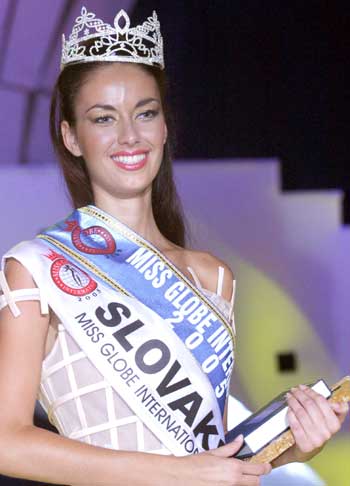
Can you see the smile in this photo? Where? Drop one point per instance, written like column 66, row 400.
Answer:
column 130, row 161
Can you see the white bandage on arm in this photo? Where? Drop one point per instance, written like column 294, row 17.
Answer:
column 10, row 297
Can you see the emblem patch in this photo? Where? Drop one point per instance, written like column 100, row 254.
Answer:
column 68, row 277
column 99, row 241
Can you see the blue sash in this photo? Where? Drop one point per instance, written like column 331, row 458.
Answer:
column 120, row 258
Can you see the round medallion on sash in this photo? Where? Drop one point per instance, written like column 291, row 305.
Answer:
column 69, row 277
column 94, row 240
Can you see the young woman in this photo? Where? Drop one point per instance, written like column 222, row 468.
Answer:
column 126, row 334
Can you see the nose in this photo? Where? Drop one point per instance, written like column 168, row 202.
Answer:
column 127, row 133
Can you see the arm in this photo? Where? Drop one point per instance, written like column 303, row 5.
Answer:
column 32, row 453
column 44, row 456
column 313, row 420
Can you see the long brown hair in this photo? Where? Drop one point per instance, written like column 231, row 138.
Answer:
column 166, row 205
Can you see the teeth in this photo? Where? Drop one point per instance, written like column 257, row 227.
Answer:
column 129, row 159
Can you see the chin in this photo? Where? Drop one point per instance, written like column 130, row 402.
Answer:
column 132, row 191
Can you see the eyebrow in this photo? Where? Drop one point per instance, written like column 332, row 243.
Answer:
column 139, row 104
column 101, row 107
column 145, row 102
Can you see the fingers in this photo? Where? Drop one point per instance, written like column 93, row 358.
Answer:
column 250, row 481
column 251, row 475
column 247, row 474
column 311, row 417
column 300, row 436
column 230, row 449
column 341, row 409
column 330, row 418
column 256, row 469
column 298, row 404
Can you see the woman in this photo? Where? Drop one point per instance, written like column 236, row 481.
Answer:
column 126, row 334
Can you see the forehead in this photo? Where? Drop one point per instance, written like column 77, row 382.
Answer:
column 117, row 83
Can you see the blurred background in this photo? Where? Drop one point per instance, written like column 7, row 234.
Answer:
column 260, row 99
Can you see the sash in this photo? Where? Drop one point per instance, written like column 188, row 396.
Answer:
column 125, row 261
column 126, row 332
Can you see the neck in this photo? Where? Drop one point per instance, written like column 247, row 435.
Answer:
column 135, row 212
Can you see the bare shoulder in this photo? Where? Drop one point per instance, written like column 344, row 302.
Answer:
column 18, row 278
column 22, row 347
column 17, row 275
column 206, row 266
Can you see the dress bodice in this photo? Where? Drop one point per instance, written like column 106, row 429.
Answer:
column 83, row 406
column 78, row 400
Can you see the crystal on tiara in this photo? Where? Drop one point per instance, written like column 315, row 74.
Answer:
column 94, row 40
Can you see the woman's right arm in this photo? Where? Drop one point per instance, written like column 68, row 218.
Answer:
column 29, row 452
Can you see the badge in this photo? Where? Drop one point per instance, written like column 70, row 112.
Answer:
column 94, row 240
column 69, row 277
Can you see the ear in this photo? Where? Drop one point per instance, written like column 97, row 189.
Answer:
column 165, row 134
column 70, row 139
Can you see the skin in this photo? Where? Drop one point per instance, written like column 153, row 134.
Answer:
column 24, row 341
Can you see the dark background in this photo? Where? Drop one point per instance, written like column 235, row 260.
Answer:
column 254, row 79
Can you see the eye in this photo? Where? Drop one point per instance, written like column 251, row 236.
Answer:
column 148, row 114
column 102, row 120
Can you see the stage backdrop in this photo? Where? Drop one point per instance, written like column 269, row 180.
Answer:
column 290, row 256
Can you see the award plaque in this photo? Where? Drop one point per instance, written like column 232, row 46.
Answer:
column 266, row 432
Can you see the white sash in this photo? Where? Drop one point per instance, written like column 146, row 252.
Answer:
column 134, row 349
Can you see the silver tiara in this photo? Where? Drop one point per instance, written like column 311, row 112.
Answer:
column 94, row 40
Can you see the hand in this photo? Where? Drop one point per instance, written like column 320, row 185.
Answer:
column 218, row 467
column 313, row 421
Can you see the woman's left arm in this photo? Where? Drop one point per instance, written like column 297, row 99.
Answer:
column 313, row 421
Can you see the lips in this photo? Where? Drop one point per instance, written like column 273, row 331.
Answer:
column 130, row 160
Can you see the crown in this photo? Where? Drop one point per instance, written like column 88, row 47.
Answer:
column 94, row 40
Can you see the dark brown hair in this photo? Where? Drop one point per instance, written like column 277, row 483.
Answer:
column 166, row 205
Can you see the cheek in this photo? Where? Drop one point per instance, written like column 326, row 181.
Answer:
column 155, row 133
column 96, row 141
column 162, row 131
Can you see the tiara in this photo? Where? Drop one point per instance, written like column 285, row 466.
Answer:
column 94, row 40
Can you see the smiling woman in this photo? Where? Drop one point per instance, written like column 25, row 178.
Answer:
column 118, row 128
column 126, row 335
column 64, row 112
